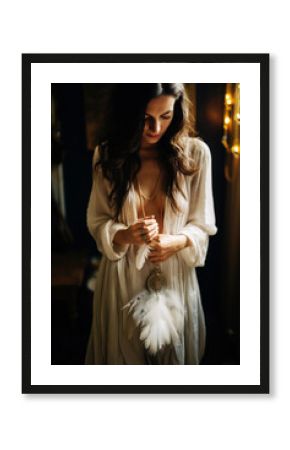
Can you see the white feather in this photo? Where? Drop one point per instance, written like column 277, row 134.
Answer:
column 141, row 255
column 160, row 317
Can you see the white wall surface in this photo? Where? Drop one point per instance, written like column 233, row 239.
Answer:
column 92, row 421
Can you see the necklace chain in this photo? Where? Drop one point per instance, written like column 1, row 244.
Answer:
column 153, row 193
column 150, row 198
column 154, row 276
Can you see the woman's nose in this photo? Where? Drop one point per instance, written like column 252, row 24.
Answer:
column 155, row 126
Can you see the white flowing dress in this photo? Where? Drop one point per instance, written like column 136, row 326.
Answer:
column 114, row 339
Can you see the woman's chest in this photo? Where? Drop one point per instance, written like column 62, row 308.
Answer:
column 148, row 201
column 149, row 188
column 148, row 207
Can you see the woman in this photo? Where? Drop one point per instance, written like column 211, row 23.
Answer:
column 151, row 208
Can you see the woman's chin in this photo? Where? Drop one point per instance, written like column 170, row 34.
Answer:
column 151, row 140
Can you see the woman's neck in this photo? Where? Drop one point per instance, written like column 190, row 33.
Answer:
column 149, row 152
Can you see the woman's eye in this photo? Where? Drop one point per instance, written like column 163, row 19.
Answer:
column 162, row 117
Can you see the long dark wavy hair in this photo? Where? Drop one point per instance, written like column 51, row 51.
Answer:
column 119, row 148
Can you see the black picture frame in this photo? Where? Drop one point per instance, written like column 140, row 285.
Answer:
column 263, row 61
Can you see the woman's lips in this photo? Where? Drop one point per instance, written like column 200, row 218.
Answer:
column 153, row 135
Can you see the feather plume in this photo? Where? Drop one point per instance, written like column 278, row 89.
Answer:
column 160, row 317
column 141, row 255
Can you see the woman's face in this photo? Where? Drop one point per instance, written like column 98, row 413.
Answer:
column 158, row 116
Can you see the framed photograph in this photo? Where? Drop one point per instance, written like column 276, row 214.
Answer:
column 145, row 223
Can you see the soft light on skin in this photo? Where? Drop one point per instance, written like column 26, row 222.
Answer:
column 158, row 116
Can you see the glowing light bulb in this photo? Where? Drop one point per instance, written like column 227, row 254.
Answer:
column 228, row 99
column 227, row 120
column 236, row 150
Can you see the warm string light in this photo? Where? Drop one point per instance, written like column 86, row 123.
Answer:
column 229, row 100
column 235, row 150
column 231, row 128
column 231, row 135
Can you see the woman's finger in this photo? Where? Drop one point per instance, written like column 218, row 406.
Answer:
column 155, row 245
column 148, row 222
column 145, row 224
column 151, row 235
column 151, row 229
column 154, row 233
column 139, row 234
column 143, row 235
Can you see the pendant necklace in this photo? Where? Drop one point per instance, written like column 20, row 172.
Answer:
column 155, row 280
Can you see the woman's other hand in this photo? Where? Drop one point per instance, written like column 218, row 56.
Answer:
column 165, row 245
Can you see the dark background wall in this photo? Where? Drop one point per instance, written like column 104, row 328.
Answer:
column 222, row 318
column 76, row 160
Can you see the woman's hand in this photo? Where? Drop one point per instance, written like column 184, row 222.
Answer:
column 165, row 245
column 142, row 231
